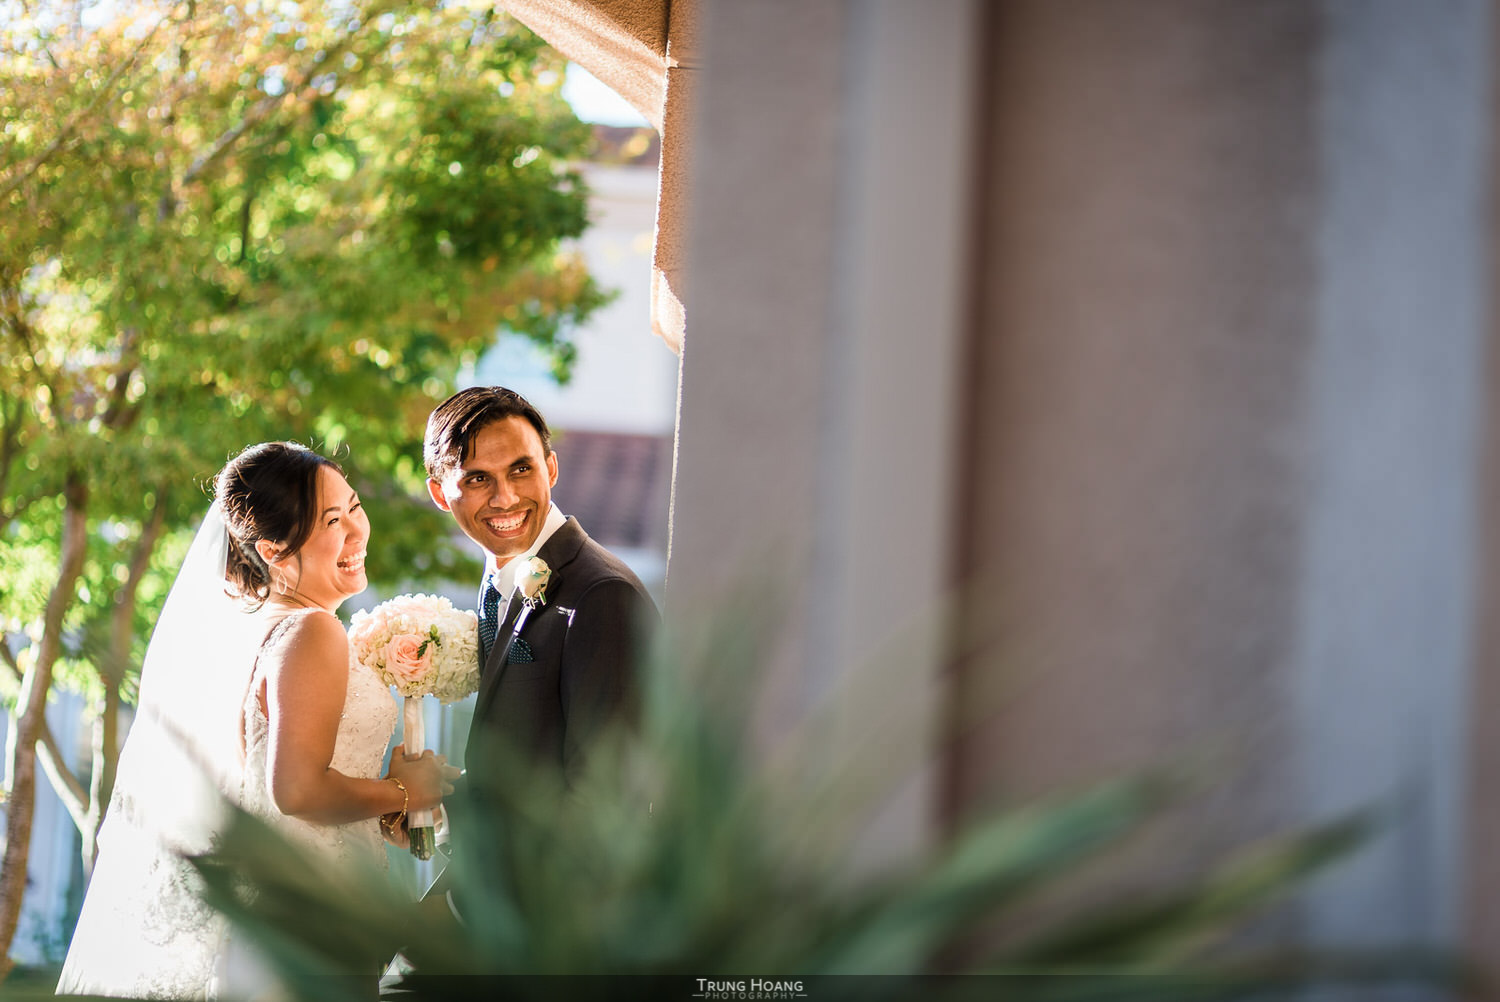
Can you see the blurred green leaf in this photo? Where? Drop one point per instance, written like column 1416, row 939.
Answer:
column 667, row 857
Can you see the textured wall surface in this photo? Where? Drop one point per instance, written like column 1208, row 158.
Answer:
column 1137, row 462
column 1387, row 583
column 1192, row 402
column 815, row 442
column 1228, row 422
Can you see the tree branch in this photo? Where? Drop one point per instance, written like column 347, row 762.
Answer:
column 10, row 417
column 267, row 105
column 23, row 332
column 67, row 785
column 65, row 135
column 118, row 413
column 11, row 413
column 245, row 219
column 20, row 808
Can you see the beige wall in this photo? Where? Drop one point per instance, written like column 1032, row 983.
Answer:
column 646, row 51
column 1220, row 302
column 1227, row 421
column 1159, row 327
column 813, row 429
column 1135, row 464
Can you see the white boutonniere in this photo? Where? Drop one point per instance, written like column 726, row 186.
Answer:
column 531, row 581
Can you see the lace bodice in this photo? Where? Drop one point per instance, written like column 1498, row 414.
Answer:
column 365, row 729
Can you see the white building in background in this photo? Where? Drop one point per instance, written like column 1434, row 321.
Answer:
column 614, row 420
column 625, row 379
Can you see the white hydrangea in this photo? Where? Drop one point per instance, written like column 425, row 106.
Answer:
column 420, row 644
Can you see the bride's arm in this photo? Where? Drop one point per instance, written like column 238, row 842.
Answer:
column 306, row 681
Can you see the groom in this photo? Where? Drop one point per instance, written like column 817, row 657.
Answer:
column 554, row 671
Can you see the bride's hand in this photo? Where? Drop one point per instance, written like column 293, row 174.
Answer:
column 427, row 777
column 400, row 836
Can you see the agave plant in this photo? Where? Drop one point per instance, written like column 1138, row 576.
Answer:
column 682, row 894
column 681, row 863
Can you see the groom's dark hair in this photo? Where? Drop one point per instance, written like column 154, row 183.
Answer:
column 452, row 427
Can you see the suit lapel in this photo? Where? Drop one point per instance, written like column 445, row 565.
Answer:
column 558, row 552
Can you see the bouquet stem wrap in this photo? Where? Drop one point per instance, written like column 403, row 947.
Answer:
column 419, row 824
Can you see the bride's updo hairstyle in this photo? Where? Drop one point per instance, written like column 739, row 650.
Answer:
column 269, row 491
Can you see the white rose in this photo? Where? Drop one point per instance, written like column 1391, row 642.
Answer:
column 531, row 579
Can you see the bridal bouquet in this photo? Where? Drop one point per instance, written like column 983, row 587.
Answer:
column 423, row 646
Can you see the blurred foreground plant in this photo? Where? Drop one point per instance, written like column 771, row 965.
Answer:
column 682, row 854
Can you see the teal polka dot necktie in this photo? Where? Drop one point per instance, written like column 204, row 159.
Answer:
column 489, row 619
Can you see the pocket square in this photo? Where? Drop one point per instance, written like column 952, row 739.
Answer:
column 520, row 652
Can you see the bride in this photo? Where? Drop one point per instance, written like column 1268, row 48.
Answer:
column 247, row 692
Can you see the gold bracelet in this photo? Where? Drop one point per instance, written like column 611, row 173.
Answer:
column 395, row 823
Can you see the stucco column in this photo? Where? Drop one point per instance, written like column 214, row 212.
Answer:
column 827, row 313
column 1168, row 361
column 646, row 51
column 1227, row 422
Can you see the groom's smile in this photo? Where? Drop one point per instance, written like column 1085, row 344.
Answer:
column 502, row 490
column 509, row 524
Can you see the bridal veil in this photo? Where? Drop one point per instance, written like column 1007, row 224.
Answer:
column 143, row 931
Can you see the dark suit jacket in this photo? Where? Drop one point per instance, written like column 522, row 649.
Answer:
column 544, row 691
column 572, row 666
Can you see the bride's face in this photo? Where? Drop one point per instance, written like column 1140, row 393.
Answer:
column 330, row 567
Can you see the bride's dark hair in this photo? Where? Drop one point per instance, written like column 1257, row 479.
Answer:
column 268, row 491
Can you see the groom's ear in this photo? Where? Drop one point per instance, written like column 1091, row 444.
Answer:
column 551, row 469
column 435, row 488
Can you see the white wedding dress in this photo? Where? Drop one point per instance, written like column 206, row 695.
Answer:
column 365, row 729
column 144, row 932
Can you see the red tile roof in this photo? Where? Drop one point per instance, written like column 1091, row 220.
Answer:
column 617, row 486
column 635, row 146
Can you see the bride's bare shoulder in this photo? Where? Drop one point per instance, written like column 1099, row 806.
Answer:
column 309, row 637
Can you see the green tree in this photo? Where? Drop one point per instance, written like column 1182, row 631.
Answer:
column 226, row 224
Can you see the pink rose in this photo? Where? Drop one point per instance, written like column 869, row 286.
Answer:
column 403, row 660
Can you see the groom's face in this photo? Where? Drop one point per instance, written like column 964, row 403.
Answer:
column 499, row 494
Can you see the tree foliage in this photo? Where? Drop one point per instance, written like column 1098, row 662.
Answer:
column 222, row 224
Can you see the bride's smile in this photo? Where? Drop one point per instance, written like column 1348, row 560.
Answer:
column 330, row 565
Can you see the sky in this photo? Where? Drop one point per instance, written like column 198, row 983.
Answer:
column 593, row 102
